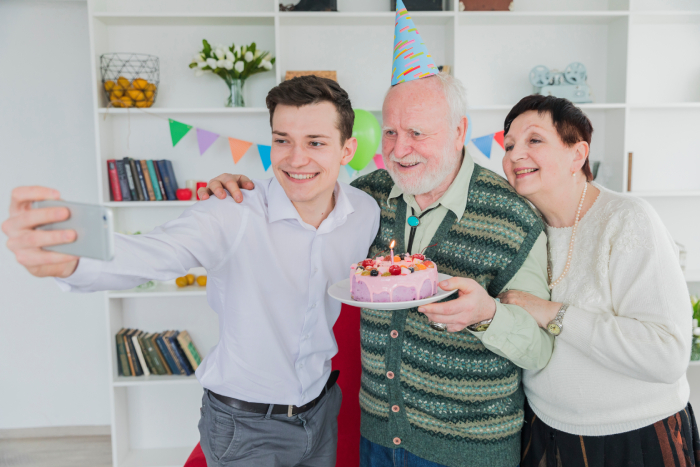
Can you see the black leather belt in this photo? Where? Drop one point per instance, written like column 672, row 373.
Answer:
column 277, row 409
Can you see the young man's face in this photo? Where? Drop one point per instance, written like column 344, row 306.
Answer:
column 306, row 151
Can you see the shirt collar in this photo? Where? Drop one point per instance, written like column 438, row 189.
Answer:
column 457, row 194
column 280, row 207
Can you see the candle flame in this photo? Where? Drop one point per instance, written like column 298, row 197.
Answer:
column 391, row 245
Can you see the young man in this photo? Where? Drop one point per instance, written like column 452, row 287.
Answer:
column 269, row 395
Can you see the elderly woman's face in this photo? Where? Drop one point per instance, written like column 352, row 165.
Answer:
column 536, row 158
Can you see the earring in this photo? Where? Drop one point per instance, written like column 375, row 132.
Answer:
column 573, row 174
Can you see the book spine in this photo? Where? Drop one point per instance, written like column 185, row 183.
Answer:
column 123, row 183
column 139, row 354
column 147, row 177
column 152, row 355
column 138, row 371
column 146, row 356
column 180, row 356
column 171, row 172
column 125, row 338
column 166, row 179
column 161, row 357
column 130, row 179
column 114, row 180
column 137, row 182
column 171, row 351
column 154, row 180
column 160, row 181
column 188, row 349
column 122, row 362
column 168, row 358
column 142, row 181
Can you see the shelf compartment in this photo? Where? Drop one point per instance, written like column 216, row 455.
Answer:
column 323, row 18
column 160, row 290
column 485, row 18
column 185, row 19
column 148, row 204
column 181, row 110
column 692, row 275
column 126, row 381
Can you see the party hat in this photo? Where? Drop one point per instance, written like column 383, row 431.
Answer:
column 411, row 57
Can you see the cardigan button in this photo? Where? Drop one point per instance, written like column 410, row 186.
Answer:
column 394, row 333
column 397, row 441
column 390, row 374
column 395, row 408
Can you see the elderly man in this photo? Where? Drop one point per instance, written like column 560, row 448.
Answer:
column 431, row 397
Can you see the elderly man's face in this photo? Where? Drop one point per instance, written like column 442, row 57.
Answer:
column 419, row 146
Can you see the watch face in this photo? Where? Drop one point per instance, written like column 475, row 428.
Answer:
column 553, row 328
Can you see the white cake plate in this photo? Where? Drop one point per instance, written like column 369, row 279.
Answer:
column 341, row 292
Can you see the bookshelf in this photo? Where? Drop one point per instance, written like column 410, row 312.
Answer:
column 154, row 419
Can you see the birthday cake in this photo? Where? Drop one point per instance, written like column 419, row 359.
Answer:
column 384, row 279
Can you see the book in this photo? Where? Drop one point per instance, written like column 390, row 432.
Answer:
column 137, row 182
column 114, row 188
column 162, row 166
column 154, row 180
column 147, row 178
column 161, row 357
column 160, row 181
column 123, row 183
column 173, row 353
column 189, row 349
column 122, row 362
column 142, row 181
column 144, row 351
column 127, row 348
column 168, row 357
column 181, row 358
column 151, row 355
column 130, row 179
column 138, row 371
column 171, row 172
column 139, row 353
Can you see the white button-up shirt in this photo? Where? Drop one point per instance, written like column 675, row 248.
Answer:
column 268, row 273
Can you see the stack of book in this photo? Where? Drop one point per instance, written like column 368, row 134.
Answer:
column 141, row 180
column 165, row 353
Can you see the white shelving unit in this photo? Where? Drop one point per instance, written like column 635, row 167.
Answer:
column 642, row 58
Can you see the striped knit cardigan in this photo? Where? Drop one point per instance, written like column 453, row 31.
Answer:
column 443, row 396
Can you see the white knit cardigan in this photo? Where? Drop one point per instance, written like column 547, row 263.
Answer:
column 620, row 361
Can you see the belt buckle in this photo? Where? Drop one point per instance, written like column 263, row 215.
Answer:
column 289, row 410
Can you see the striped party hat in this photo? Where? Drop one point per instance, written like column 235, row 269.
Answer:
column 411, row 58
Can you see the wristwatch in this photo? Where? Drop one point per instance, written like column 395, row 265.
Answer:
column 555, row 326
column 482, row 326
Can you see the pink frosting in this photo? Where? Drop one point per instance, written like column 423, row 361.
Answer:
column 405, row 287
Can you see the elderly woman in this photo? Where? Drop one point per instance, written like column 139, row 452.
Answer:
column 615, row 391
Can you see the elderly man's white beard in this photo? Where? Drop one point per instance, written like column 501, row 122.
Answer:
column 431, row 178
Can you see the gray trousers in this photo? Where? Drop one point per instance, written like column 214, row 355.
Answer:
column 232, row 437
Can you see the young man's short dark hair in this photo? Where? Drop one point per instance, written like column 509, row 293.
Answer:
column 306, row 90
column 571, row 123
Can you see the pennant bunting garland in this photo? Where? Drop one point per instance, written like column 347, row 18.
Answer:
column 178, row 130
column 205, row 139
column 484, row 143
column 265, row 155
column 238, row 148
column 350, row 170
column 379, row 161
column 499, row 139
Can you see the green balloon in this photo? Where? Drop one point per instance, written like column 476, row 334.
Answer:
column 369, row 134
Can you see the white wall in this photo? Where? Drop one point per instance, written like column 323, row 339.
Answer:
column 54, row 356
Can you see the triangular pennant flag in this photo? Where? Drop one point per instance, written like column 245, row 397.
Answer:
column 238, row 148
column 205, row 139
column 379, row 161
column 499, row 139
column 178, row 130
column 350, row 170
column 265, row 155
column 411, row 57
column 484, row 144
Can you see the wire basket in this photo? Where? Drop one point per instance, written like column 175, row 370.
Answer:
column 130, row 80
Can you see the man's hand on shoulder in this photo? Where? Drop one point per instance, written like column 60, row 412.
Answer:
column 26, row 242
column 230, row 182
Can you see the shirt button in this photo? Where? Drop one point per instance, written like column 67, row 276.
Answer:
column 395, row 408
column 390, row 374
column 397, row 441
column 394, row 334
column 301, row 365
column 313, row 306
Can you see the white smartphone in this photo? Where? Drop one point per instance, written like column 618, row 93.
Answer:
column 93, row 224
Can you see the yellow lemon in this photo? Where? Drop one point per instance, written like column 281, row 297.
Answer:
column 140, row 83
column 123, row 82
column 127, row 101
column 150, row 87
column 181, row 281
column 202, row 280
column 142, row 104
column 116, row 101
column 136, row 95
column 109, row 85
column 148, row 94
column 117, row 91
column 190, row 279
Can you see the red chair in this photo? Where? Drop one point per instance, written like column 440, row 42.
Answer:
column 347, row 334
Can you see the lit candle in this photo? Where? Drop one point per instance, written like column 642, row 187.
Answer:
column 391, row 247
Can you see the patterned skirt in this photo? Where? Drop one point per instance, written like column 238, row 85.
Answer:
column 672, row 442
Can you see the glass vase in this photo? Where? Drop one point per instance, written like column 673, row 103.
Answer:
column 235, row 98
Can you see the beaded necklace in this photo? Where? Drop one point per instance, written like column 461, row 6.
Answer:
column 571, row 245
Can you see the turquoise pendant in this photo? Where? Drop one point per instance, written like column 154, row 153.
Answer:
column 413, row 221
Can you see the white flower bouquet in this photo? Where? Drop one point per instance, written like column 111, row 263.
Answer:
column 233, row 64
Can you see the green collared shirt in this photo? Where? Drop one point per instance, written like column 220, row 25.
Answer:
column 513, row 333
